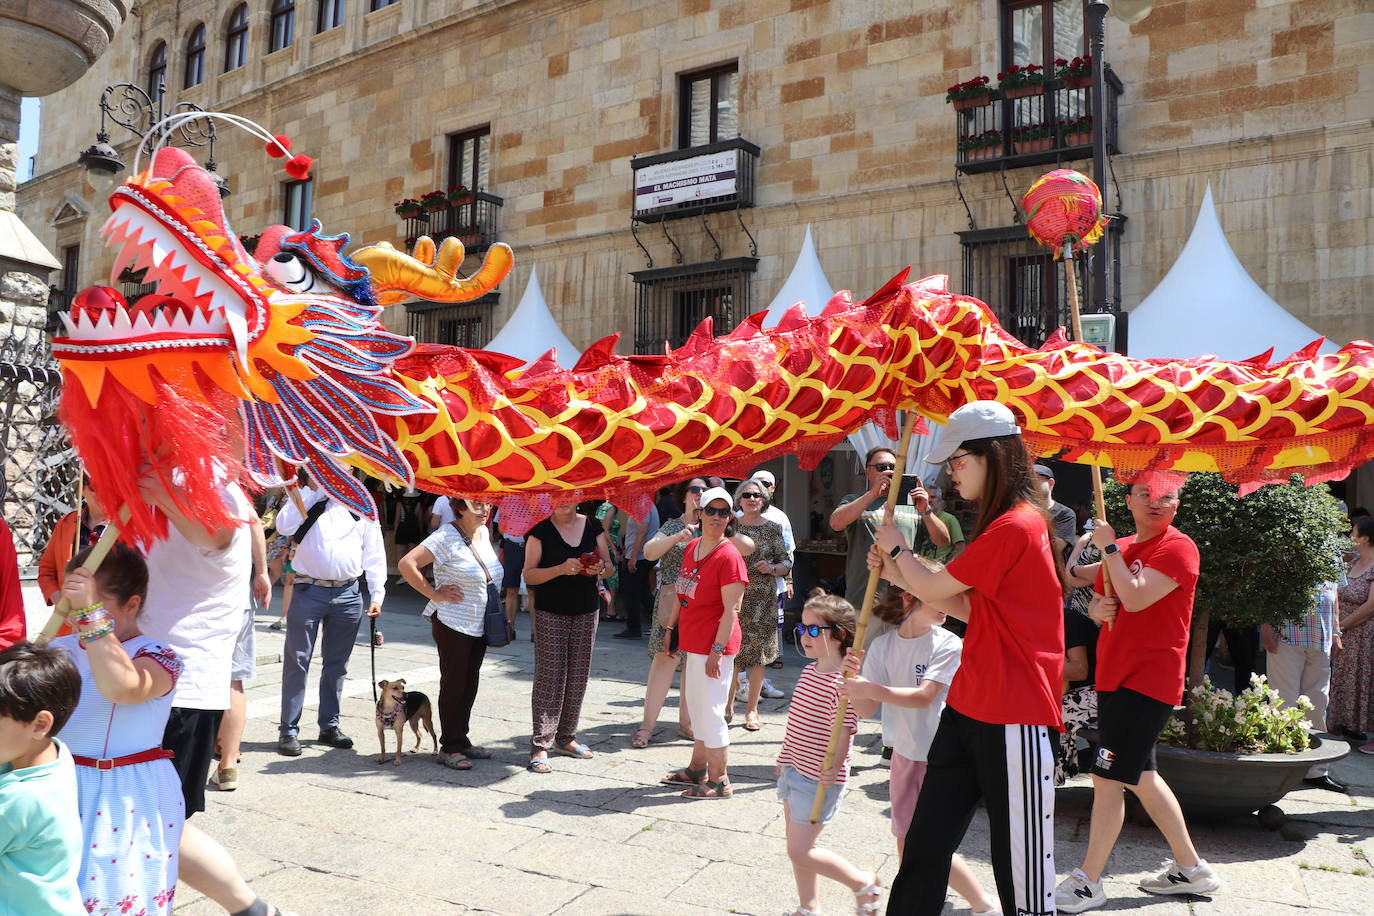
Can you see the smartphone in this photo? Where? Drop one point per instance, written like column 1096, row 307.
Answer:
column 589, row 561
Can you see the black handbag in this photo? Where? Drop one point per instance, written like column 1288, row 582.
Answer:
column 496, row 629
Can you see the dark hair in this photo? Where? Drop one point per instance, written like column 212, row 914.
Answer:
column 680, row 491
column 836, row 612
column 1359, row 512
column 889, row 607
column 34, row 678
column 878, row 450
column 1364, row 527
column 731, row 525
column 124, row 573
column 1010, row 480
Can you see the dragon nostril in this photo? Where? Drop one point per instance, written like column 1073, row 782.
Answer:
column 282, row 257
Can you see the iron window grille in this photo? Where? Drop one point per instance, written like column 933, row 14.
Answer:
column 671, row 301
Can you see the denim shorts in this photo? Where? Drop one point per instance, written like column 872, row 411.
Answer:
column 799, row 791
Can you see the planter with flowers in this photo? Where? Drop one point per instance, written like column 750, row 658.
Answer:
column 459, row 195
column 1078, row 132
column 1033, row 138
column 1226, row 755
column 434, row 201
column 408, row 208
column 972, row 94
column 987, row 145
column 1019, row 82
column 1076, row 73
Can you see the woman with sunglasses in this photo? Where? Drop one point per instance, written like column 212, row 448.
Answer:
column 993, row 743
column 759, row 610
column 666, row 548
column 710, row 586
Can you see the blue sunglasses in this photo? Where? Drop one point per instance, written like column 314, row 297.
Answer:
column 813, row 629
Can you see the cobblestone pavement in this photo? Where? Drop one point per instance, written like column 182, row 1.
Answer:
column 333, row 832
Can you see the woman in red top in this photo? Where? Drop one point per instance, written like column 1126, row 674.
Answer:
column 993, row 743
column 710, row 587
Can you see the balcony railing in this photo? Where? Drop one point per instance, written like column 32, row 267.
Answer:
column 464, row 324
column 474, row 220
column 1052, row 111
column 697, row 180
column 132, row 285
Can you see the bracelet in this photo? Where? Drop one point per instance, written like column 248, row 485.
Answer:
column 90, row 616
column 717, row 648
column 87, row 637
column 86, row 610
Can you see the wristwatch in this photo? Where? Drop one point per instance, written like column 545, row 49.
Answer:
column 896, row 552
column 1110, row 549
column 925, row 513
column 717, row 649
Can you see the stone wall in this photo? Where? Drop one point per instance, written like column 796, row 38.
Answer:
column 1269, row 100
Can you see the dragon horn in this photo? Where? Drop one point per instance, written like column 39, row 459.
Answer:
column 397, row 276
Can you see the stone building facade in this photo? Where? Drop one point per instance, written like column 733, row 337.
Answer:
column 1269, row 100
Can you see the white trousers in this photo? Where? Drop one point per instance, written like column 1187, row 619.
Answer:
column 706, row 698
column 1295, row 672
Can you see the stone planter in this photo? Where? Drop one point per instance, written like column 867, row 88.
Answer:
column 1210, row 784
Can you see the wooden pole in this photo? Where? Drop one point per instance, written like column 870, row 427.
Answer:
column 80, row 495
column 97, row 556
column 866, row 610
column 1098, row 498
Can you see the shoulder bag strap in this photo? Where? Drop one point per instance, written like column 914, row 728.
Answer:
column 475, row 555
column 311, row 518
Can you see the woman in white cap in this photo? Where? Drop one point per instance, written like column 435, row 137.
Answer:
column 993, row 743
column 710, row 587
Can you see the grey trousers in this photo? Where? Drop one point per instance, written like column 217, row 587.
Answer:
column 339, row 610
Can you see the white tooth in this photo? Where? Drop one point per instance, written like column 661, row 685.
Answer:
column 67, row 321
column 141, row 324
column 119, row 321
column 160, row 322
column 179, row 322
column 238, row 333
column 102, row 320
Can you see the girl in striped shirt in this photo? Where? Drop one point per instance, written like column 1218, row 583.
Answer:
column 826, row 631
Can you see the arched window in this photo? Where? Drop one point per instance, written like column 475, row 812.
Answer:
column 283, row 25
column 236, row 38
column 157, row 70
column 194, row 73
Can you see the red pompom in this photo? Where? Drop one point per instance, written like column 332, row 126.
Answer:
column 298, row 166
column 280, row 146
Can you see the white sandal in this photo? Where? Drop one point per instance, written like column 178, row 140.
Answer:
column 875, row 889
column 802, row 911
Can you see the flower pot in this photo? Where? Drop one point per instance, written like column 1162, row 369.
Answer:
column 1077, row 82
column 1210, row 784
column 471, row 239
column 1021, row 92
column 982, row 152
column 973, row 101
column 461, row 199
column 437, row 207
column 1032, row 146
column 1078, row 139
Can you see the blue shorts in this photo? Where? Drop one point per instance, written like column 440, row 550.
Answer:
column 799, row 791
column 512, row 564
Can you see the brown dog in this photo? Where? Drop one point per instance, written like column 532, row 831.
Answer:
column 395, row 708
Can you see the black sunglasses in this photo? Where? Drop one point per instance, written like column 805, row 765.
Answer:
column 751, row 496
column 884, row 467
column 717, row 511
column 696, row 489
column 813, row 629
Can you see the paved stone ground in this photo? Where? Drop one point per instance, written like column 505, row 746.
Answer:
column 333, row 832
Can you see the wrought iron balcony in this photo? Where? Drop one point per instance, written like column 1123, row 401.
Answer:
column 1043, row 127
column 475, row 220
column 694, row 181
column 463, row 324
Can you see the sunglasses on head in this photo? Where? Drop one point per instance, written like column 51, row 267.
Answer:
column 696, row 489
column 813, row 629
column 884, row 466
column 718, row 511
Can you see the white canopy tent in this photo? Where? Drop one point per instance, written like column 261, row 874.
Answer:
column 805, row 285
column 531, row 331
column 1207, row 304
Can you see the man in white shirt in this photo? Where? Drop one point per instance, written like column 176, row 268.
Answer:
column 336, row 549
column 440, row 514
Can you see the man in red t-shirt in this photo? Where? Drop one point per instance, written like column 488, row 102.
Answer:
column 1141, row 661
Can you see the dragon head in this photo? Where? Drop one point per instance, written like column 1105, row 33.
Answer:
column 284, row 346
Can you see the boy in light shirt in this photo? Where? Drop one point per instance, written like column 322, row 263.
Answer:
column 908, row 670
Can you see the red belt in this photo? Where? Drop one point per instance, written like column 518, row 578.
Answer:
column 109, row 763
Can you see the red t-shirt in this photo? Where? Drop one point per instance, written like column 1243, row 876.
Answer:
column 1014, row 648
column 1147, row 650
column 699, row 585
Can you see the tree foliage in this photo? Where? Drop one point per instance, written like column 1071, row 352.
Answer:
column 1263, row 555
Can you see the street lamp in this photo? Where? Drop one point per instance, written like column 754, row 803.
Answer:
column 1130, row 12
column 137, row 112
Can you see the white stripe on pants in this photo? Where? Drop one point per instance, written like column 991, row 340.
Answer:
column 706, row 698
column 1030, row 816
column 1295, row 672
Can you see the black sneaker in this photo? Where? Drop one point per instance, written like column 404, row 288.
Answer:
column 335, row 738
column 288, row 746
column 1327, row 782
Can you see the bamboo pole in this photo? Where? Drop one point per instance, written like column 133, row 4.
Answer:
column 80, row 496
column 866, row 610
column 97, row 556
column 1099, row 500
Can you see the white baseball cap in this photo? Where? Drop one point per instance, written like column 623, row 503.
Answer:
column 765, row 477
column 716, row 493
column 975, row 420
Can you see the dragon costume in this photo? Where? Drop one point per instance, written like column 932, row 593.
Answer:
column 279, row 357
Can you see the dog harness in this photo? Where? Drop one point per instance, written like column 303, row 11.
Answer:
column 397, row 712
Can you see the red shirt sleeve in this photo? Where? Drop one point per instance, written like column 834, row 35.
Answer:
column 987, row 557
column 12, row 625
column 1178, row 559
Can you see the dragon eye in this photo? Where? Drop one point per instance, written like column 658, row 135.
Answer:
column 291, row 272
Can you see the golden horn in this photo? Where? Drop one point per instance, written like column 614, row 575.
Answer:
column 397, row 276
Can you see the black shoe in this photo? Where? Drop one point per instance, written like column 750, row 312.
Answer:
column 626, row 634
column 1326, row 782
column 335, row 738
column 288, row 746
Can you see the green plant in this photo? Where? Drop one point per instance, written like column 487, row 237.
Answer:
column 434, row 200
column 1256, row 722
column 1014, row 77
column 408, row 207
column 987, row 138
column 974, row 88
column 1081, row 125
column 1034, row 132
column 1071, row 71
column 458, row 192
